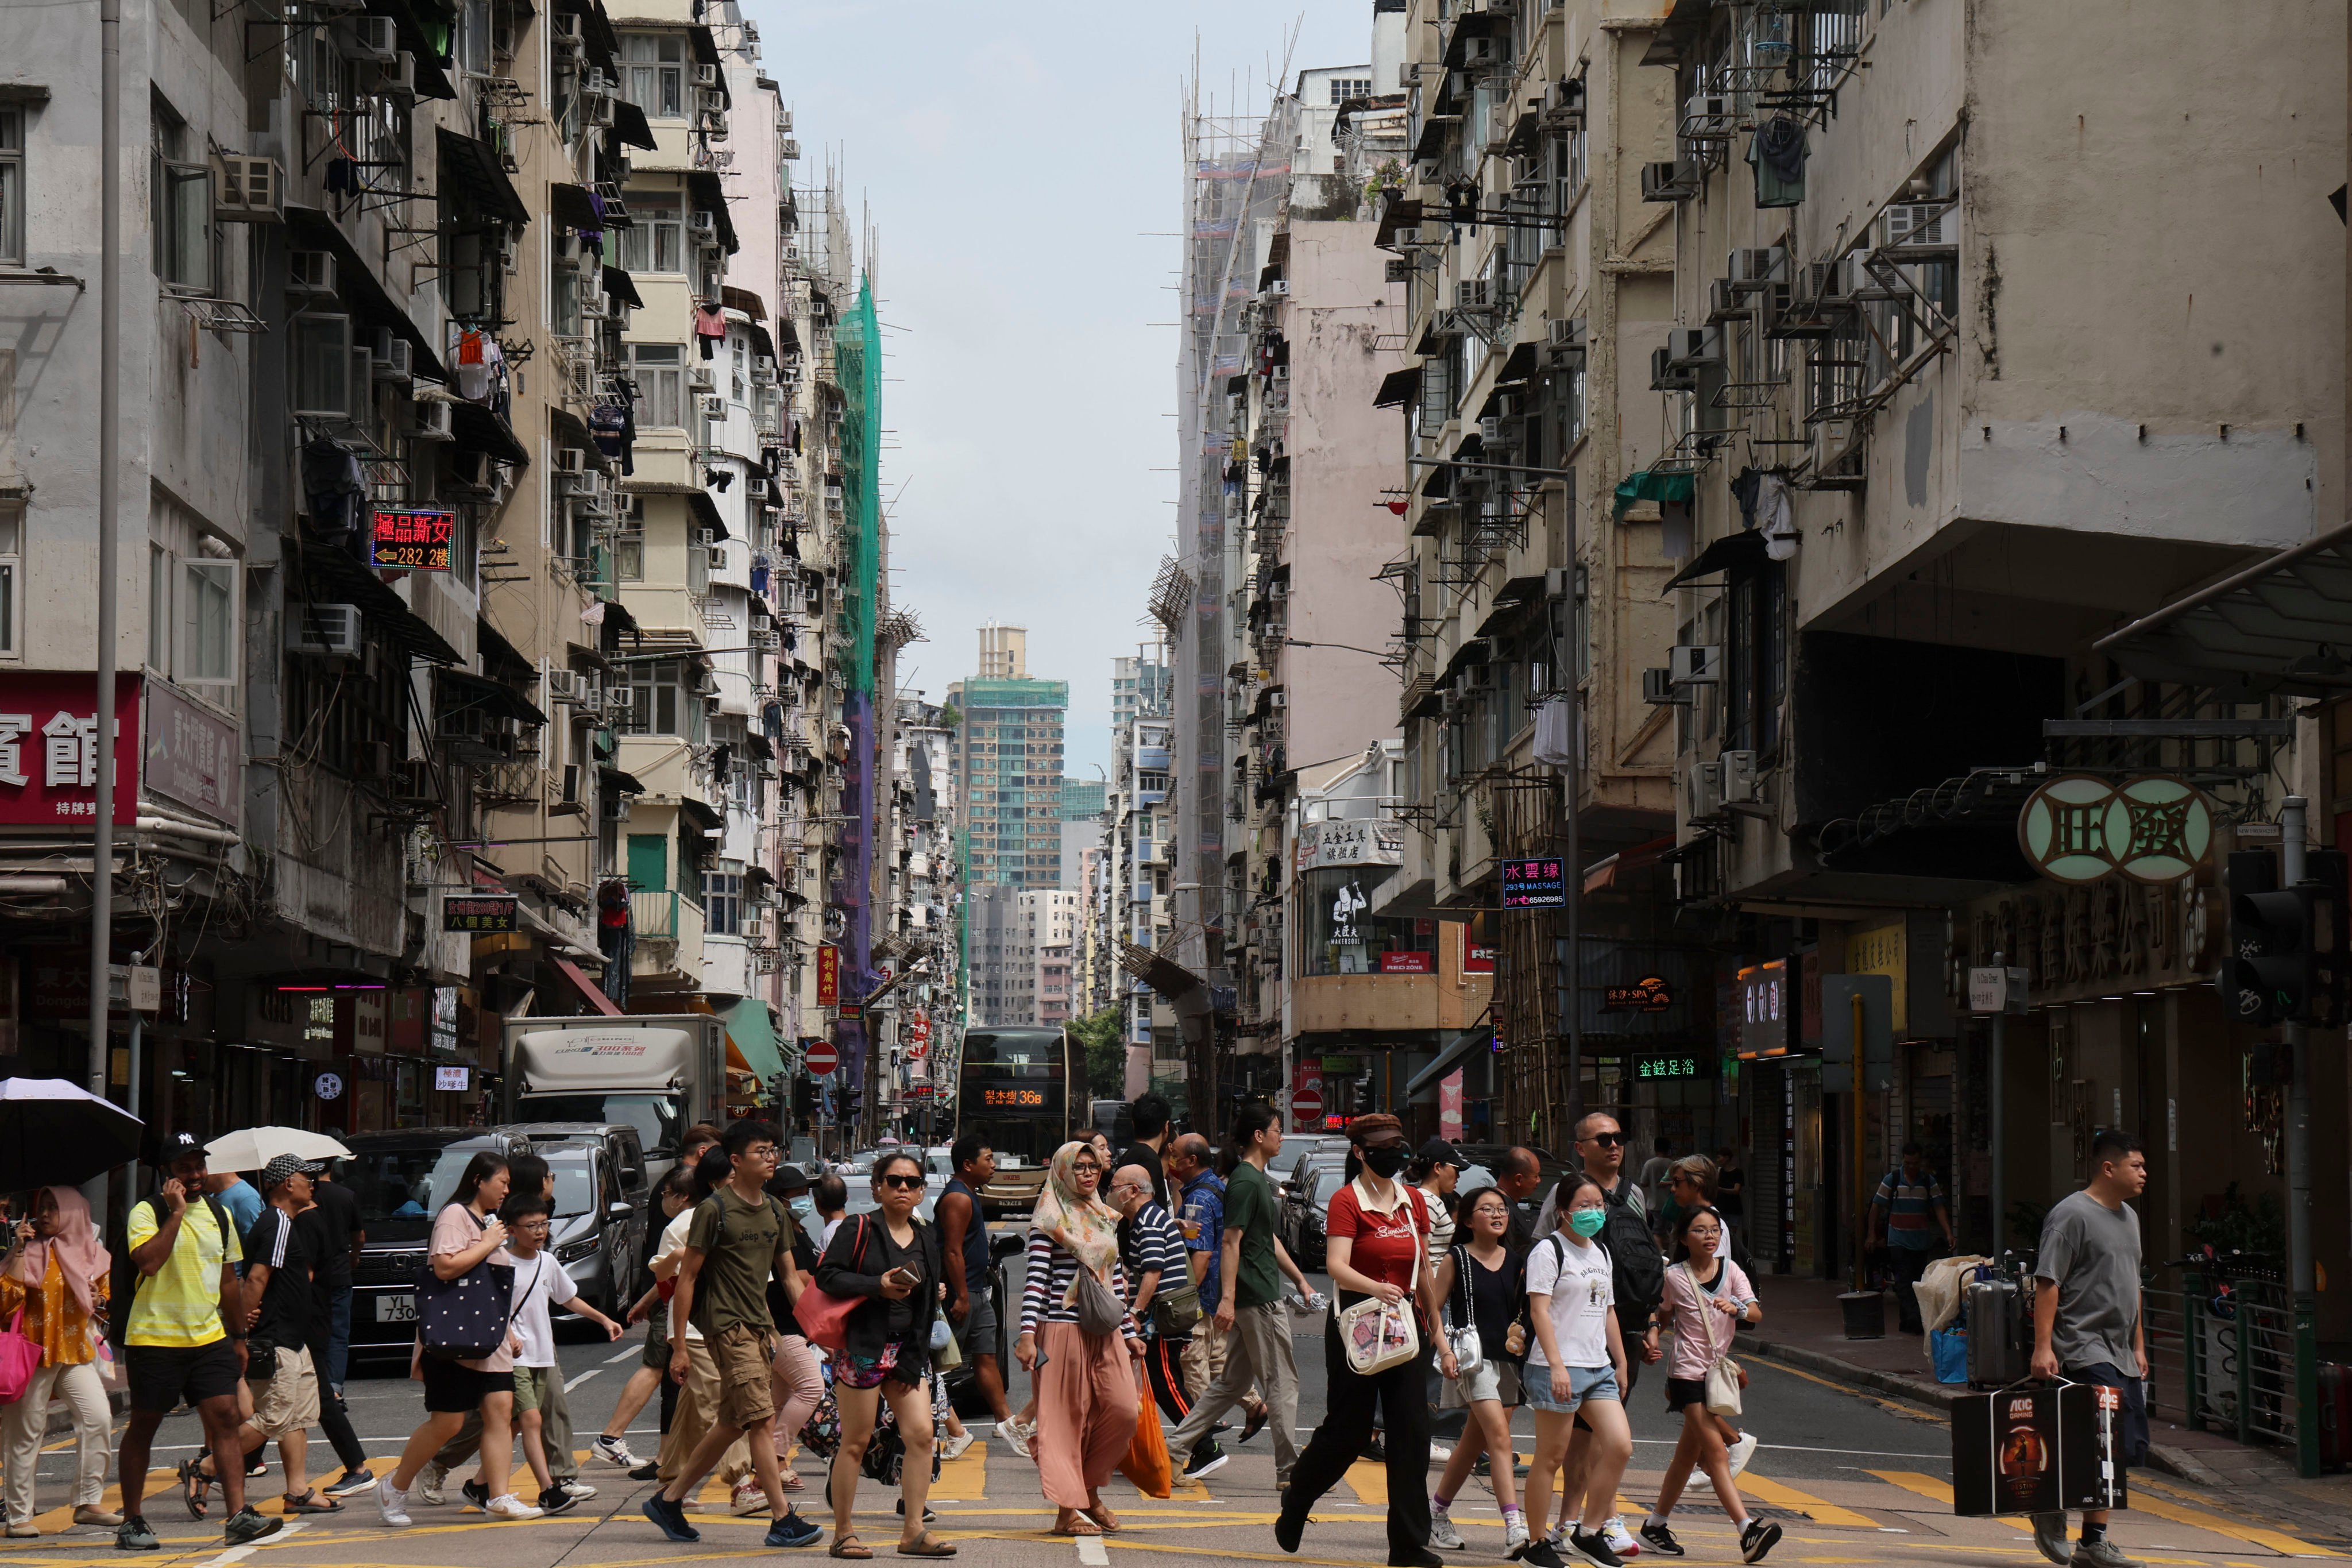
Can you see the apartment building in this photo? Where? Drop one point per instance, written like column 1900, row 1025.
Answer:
column 1008, row 753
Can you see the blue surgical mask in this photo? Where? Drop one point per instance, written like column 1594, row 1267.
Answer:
column 1587, row 1222
column 803, row 1207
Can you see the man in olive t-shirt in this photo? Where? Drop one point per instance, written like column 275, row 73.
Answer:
column 1251, row 1266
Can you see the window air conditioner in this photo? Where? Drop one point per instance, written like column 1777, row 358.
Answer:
column 1565, row 339
column 394, row 359
column 705, row 76
column 701, row 378
column 329, row 629
column 1738, row 777
column 717, row 558
column 568, row 27
column 572, row 460
column 757, row 488
column 571, row 687
column 434, row 422
column 310, row 272
column 1703, row 791
column 397, row 75
column 788, row 151
column 1665, row 376
column 1470, row 294
column 703, row 222
column 1658, row 688
column 1279, row 287
column 1690, row 664
column 247, row 189
column 1834, row 440
column 1691, row 346
column 1750, row 268
column 1280, row 373
column 370, row 38
column 711, row 406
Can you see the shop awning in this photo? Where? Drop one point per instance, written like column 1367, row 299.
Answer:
column 460, row 691
column 702, row 185
column 589, row 990
column 699, row 814
column 1518, row 365
column 1605, row 873
column 744, row 299
column 2282, row 624
column 631, row 128
column 1636, row 488
column 1732, row 552
column 1455, row 1052
column 626, row 783
column 473, row 168
column 1157, row 970
column 1399, row 388
column 477, row 427
column 751, row 1042
column 1397, row 215
column 335, row 577
column 623, row 287
column 568, row 206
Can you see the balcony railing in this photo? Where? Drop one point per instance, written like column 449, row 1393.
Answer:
column 654, row 913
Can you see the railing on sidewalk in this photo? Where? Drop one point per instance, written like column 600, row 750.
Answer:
column 2226, row 1356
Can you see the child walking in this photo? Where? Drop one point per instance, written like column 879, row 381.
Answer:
column 539, row 1281
column 1707, row 1296
column 1577, row 1366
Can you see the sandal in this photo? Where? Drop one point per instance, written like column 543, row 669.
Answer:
column 1076, row 1524
column 926, row 1545
column 849, row 1546
column 791, row 1480
column 309, row 1502
column 1101, row 1514
column 195, row 1484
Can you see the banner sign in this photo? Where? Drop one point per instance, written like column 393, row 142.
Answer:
column 413, row 538
column 1349, row 843
column 49, row 749
column 1651, row 993
column 1538, row 884
column 828, row 975
column 480, row 912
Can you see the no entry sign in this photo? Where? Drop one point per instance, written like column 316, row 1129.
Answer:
column 1306, row 1107
column 823, row 1058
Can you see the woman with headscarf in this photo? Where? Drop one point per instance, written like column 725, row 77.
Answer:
column 1079, row 1343
column 59, row 1276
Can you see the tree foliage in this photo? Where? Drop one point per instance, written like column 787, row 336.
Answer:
column 1099, row 1032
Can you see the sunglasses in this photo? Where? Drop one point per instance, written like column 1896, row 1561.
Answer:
column 903, row 1182
column 1608, row 1140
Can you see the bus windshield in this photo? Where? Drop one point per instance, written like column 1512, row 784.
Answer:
column 1014, row 1092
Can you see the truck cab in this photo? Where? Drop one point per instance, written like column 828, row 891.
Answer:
column 657, row 1075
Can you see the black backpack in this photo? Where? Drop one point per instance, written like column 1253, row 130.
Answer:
column 127, row 1278
column 1637, row 1271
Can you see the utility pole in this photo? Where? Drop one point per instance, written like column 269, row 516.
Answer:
column 2000, row 1147
column 2302, row 1277
column 109, row 460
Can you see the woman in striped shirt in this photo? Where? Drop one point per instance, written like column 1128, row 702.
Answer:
column 1085, row 1382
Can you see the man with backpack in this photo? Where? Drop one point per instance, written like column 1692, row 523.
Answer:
column 1906, row 1214
column 178, row 1342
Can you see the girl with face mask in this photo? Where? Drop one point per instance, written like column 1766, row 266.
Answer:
column 1577, row 1366
column 1378, row 1230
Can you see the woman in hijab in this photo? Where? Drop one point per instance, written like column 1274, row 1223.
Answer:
column 58, row 1276
column 1079, row 1343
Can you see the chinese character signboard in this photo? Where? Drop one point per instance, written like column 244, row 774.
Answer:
column 1349, row 843
column 1651, row 993
column 49, row 749
column 192, row 755
column 453, row 1081
column 416, row 537
column 480, row 912
column 828, row 975
column 2079, row 828
column 1657, row 1066
column 1539, row 884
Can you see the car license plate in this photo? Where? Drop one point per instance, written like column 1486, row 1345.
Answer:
column 400, row 1308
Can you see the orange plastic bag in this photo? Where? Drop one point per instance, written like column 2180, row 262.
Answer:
column 1147, row 1463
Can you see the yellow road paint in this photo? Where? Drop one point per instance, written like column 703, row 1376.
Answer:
column 1941, row 1492
column 1369, row 1480
column 1764, row 1489
column 963, row 1478
column 2253, row 1535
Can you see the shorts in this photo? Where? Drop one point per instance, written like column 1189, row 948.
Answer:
column 2131, row 1436
column 530, row 1385
column 1490, row 1379
column 976, row 1334
column 1584, row 1382
column 657, row 1352
column 744, row 1359
column 1684, row 1390
column 288, row 1401
column 160, row 1376
column 453, row 1388
column 873, row 1371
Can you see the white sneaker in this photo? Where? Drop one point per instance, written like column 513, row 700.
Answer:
column 576, row 1487
column 748, row 1498
column 1515, row 1534
column 1015, row 1438
column 1621, row 1540
column 392, row 1504
column 508, row 1506
column 1442, row 1532
column 427, row 1489
column 1439, row 1453
column 615, row 1451
column 1742, row 1451
column 954, row 1447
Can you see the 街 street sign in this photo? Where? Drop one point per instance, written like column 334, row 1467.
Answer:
column 2080, row 827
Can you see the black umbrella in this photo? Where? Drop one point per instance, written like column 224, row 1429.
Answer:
column 56, row 1133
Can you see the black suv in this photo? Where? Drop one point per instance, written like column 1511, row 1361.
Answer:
column 402, row 1180
column 602, row 1199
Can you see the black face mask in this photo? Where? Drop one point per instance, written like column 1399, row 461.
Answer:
column 1385, row 1161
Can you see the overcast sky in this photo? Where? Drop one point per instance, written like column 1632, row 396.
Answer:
column 1023, row 166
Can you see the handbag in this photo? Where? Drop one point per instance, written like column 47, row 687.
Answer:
column 1377, row 1335
column 1723, row 1377
column 464, row 1318
column 824, row 1317
column 1469, row 1350
column 20, row 1358
column 1099, row 1312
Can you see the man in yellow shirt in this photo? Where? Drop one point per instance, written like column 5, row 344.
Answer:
column 177, row 1343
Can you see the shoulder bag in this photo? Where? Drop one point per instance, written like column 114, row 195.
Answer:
column 1099, row 1309
column 1176, row 1306
column 823, row 1316
column 464, row 1319
column 20, row 1358
column 1723, row 1377
column 1377, row 1335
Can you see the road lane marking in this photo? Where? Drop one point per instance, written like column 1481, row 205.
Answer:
column 2270, row 1540
column 1941, row 1492
column 1763, row 1489
column 632, row 1351
column 1092, row 1552
column 963, row 1478
column 572, row 1383
column 1369, row 1480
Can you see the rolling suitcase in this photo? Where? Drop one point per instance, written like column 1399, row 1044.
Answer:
column 1996, row 1324
column 2335, row 1415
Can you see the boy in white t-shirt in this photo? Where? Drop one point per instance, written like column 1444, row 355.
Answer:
column 540, row 1279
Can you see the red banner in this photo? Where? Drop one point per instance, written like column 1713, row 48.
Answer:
column 1408, row 963
column 49, row 749
column 828, row 975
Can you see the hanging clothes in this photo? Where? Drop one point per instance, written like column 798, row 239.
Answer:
column 334, row 488
column 709, row 329
column 1743, row 490
column 479, row 363
column 1776, row 515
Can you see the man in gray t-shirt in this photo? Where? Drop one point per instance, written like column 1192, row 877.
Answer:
column 2087, row 1322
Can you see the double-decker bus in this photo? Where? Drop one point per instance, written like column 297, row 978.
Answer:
column 1017, row 1090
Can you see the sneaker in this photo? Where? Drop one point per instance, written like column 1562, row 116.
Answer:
column 2102, row 1553
column 1542, row 1554
column 575, row 1488
column 954, row 1447
column 792, row 1531
column 1439, row 1453
column 670, row 1518
column 648, row 1471
column 1619, row 1540
column 747, row 1498
column 1252, row 1427
column 1661, row 1540
column 350, row 1483
column 134, row 1536
column 1515, row 1534
column 428, row 1486
column 1013, row 1439
column 928, row 1517
column 1757, row 1539
column 1442, row 1533
column 1206, row 1460
column 555, row 1499
column 256, row 1466
column 478, row 1494
column 613, row 1451
column 506, row 1505
column 1742, row 1451
column 246, row 1525
column 391, row 1503
column 1593, row 1547
column 2050, row 1538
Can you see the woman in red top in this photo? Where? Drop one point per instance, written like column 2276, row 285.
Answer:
column 1378, row 1234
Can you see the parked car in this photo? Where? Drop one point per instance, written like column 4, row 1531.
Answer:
column 603, row 1205
column 402, row 1180
column 1299, row 1148
column 1305, row 1210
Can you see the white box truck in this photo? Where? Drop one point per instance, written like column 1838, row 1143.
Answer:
column 660, row 1073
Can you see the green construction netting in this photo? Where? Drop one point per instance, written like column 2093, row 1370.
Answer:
column 1647, row 486
column 858, row 361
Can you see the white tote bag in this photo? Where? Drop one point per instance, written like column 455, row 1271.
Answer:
column 1724, row 1378
column 1377, row 1335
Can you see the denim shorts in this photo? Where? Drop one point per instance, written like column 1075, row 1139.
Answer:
column 1584, row 1382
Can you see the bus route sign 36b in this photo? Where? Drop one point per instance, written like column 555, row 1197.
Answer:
column 413, row 537
column 1013, row 1098
column 1538, row 884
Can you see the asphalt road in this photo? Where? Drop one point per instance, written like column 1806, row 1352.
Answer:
column 1854, row 1477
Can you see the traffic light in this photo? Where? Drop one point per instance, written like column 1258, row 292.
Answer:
column 2286, row 944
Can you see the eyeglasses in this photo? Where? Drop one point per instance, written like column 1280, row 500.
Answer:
column 1608, row 1140
column 1084, row 1168
column 904, row 1183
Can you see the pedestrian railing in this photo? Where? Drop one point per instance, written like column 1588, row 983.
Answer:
column 2227, row 1355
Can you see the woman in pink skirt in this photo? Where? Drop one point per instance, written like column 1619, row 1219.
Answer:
column 1085, row 1382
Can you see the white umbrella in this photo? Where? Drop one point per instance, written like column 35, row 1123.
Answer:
column 251, row 1148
